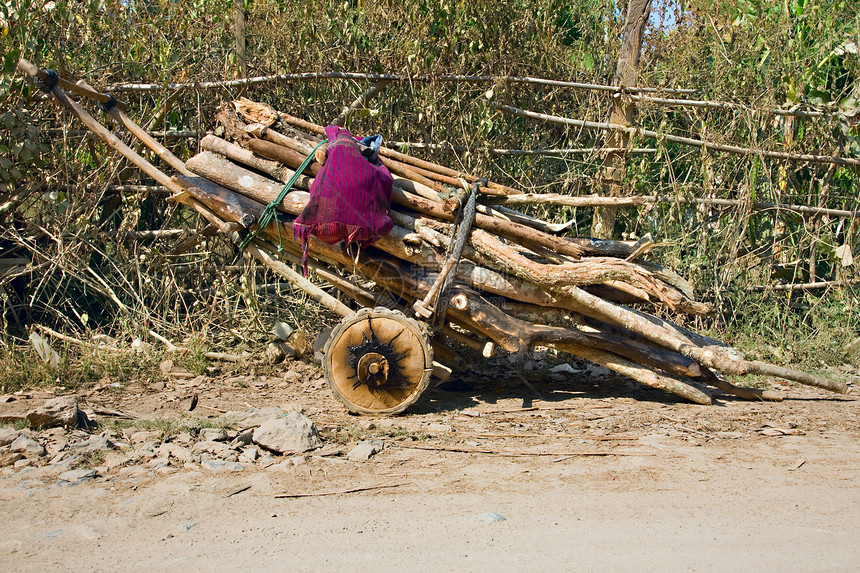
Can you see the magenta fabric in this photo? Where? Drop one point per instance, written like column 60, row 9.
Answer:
column 350, row 197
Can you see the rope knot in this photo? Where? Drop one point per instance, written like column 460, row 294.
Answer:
column 47, row 80
column 109, row 104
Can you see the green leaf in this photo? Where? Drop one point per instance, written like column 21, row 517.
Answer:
column 588, row 62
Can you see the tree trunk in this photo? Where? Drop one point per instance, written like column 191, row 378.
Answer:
column 621, row 112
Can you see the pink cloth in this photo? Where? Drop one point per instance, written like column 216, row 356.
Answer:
column 350, row 197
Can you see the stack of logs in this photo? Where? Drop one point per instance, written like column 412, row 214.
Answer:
column 519, row 283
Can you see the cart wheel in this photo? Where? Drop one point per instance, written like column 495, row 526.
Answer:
column 377, row 361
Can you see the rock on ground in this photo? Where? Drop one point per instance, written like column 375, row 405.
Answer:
column 27, row 445
column 74, row 476
column 93, row 445
column 61, row 411
column 221, row 465
column 290, row 433
column 252, row 416
column 213, row 434
column 10, row 458
column 8, row 436
column 364, row 449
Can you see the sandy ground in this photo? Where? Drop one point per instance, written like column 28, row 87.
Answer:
column 599, row 477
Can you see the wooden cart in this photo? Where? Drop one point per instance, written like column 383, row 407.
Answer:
column 495, row 278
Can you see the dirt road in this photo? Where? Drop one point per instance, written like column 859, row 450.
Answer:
column 601, row 477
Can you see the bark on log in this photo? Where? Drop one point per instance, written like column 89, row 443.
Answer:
column 239, row 208
column 241, row 155
column 527, row 289
column 285, row 155
column 640, row 374
column 586, row 271
column 425, row 168
column 510, row 230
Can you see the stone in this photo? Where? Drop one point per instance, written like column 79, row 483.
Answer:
column 10, row 458
column 143, row 436
column 57, row 445
column 273, row 353
column 219, row 449
column 21, row 464
column 330, row 450
column 141, row 347
column 8, row 436
column 57, row 458
column 319, row 344
column 61, row 411
column 213, row 434
column 222, row 466
column 249, row 455
column 158, row 463
column 78, row 476
column 564, row 369
column 27, row 445
column 175, row 451
column 243, row 439
column 183, row 438
column 93, row 445
column 282, row 331
column 490, row 517
column 166, row 366
column 364, row 449
column 116, row 460
column 252, row 416
column 284, row 466
column 290, row 433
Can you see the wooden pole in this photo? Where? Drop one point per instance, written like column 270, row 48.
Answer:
column 423, row 78
column 359, row 103
column 262, row 251
column 734, row 149
column 615, row 162
column 107, row 136
column 241, row 54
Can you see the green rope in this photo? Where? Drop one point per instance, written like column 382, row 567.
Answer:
column 270, row 212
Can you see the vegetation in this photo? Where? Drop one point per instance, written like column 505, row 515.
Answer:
column 67, row 260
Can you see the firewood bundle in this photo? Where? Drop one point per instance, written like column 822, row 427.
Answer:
column 472, row 270
column 517, row 283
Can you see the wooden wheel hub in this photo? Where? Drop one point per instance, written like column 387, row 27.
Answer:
column 372, row 369
column 378, row 361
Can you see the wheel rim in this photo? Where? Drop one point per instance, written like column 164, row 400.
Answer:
column 378, row 361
